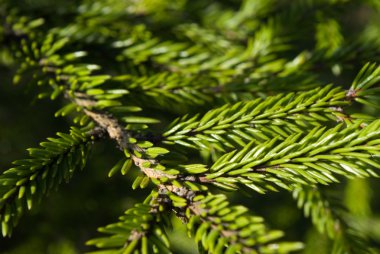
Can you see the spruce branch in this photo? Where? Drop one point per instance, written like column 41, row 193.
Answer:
column 364, row 89
column 55, row 161
column 261, row 119
column 123, row 138
column 275, row 117
column 182, row 194
column 142, row 157
column 213, row 223
column 328, row 217
column 318, row 157
column 260, row 61
column 217, row 227
column 141, row 229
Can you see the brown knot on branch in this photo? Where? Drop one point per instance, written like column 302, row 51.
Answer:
column 352, row 94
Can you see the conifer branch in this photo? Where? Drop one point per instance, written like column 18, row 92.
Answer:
column 213, row 223
column 182, row 201
column 317, row 157
column 261, row 119
column 56, row 160
column 275, row 125
column 328, row 218
column 275, row 116
column 208, row 217
column 144, row 234
column 122, row 137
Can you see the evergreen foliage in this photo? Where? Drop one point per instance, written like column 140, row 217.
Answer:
column 206, row 101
